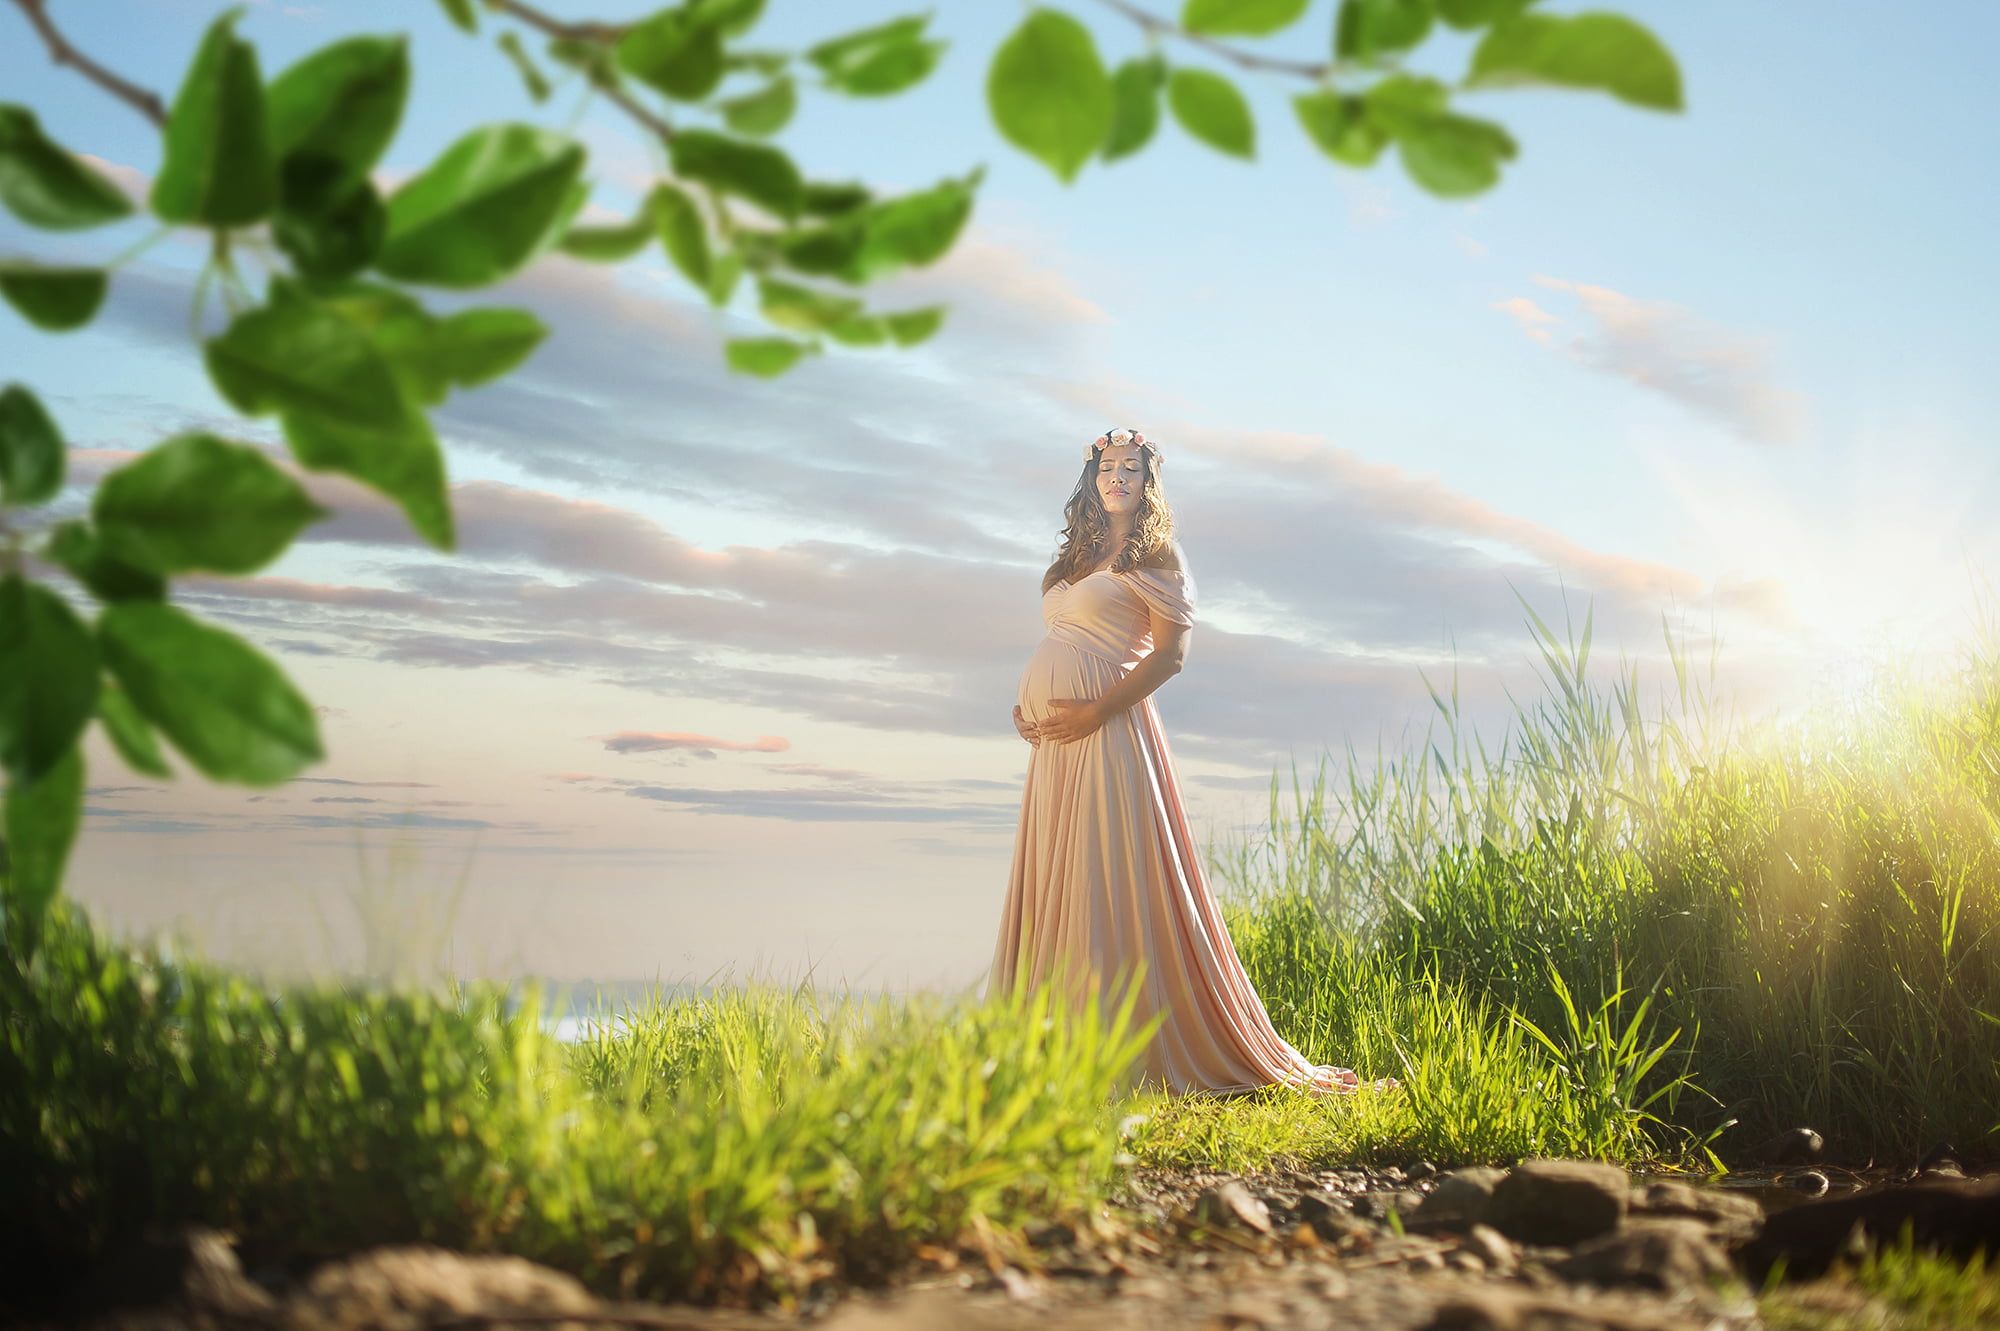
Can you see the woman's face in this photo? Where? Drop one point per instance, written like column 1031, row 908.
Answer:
column 1120, row 476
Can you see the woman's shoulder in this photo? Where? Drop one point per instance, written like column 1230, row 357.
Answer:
column 1168, row 558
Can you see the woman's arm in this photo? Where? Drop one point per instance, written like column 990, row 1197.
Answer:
column 1075, row 718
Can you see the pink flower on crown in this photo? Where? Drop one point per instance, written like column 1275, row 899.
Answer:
column 1119, row 436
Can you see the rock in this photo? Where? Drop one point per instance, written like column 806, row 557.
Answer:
column 1460, row 1199
column 1559, row 1201
column 1332, row 1222
column 1799, row 1146
column 1421, row 1170
column 1668, row 1256
column 1497, row 1308
column 1491, row 1247
column 1810, row 1182
column 1231, row 1203
column 1734, row 1217
column 192, row 1269
column 406, row 1289
column 1943, row 1155
column 1958, row 1216
column 1048, row 1233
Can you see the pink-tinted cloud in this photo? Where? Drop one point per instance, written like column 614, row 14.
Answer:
column 655, row 741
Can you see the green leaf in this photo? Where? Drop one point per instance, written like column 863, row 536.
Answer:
column 31, row 449
column 1338, row 123
column 910, row 327
column 483, row 208
column 56, row 299
column 1454, row 156
column 831, row 199
column 880, row 60
column 48, row 677
column 41, row 821
column 790, row 305
column 683, row 233
column 1048, row 93
column 109, row 577
column 1241, row 18
column 1401, row 102
column 462, row 13
column 767, row 357
column 223, row 703
column 753, row 171
column 129, row 733
column 1209, row 107
column 768, row 63
column 676, row 51
column 330, row 227
column 197, row 503
column 343, row 407
column 524, row 65
column 1366, row 28
column 462, row 350
column 733, row 17
column 915, row 229
column 728, row 266
column 1467, row 14
column 608, row 244
column 45, row 186
column 218, row 169
column 1603, row 51
column 341, row 105
column 763, row 112
column 1135, row 106
column 866, row 330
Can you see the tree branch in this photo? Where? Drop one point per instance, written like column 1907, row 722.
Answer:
column 604, row 33
column 1246, row 59
column 146, row 103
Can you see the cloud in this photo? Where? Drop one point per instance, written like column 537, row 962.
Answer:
column 641, row 741
column 1674, row 352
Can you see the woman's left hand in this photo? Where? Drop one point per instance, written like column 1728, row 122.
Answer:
column 1071, row 719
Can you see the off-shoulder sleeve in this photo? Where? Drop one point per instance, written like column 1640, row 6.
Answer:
column 1168, row 592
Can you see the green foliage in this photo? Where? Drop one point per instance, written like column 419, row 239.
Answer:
column 198, row 503
column 218, row 168
column 31, row 450
column 49, row 297
column 1135, row 106
column 494, row 199
column 1209, row 107
column 1248, row 18
column 1048, row 92
column 754, row 172
column 741, row 1144
column 878, row 61
column 47, row 186
column 1606, row 51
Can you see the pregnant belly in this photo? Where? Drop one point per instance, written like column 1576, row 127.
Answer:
column 1059, row 670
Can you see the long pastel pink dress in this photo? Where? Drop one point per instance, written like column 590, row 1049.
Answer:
column 1105, row 870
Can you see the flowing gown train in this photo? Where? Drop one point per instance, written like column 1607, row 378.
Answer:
column 1105, row 869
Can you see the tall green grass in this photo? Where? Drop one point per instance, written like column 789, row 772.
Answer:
column 1811, row 906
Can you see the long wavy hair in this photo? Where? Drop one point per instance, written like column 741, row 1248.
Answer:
column 1087, row 526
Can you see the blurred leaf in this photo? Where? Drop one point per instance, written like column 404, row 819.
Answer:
column 609, row 244
column 31, row 449
column 462, row 13
column 223, row 703
column 675, row 51
column 129, row 733
column 1339, row 124
column 197, row 503
column 865, row 330
column 484, row 207
column 1465, row 14
column 461, row 350
column 45, row 186
column 732, row 17
column 764, row 356
column 341, row 104
column 1135, row 106
column 830, row 199
column 765, row 111
column 1454, row 155
column 329, row 225
column 1366, row 28
column 683, row 233
column 880, row 60
column 531, row 77
column 41, row 822
column 218, row 168
column 1604, row 51
column 753, row 171
column 48, row 677
column 913, row 230
column 77, row 548
column 1402, row 101
column 1209, row 107
column 56, row 299
column 768, row 63
column 722, row 276
column 910, row 327
column 1241, row 18
column 342, row 405
column 1048, row 93
column 790, row 305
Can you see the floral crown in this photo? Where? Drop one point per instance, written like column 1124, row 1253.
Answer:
column 1120, row 436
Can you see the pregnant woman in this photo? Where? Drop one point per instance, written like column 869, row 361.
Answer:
column 1105, row 871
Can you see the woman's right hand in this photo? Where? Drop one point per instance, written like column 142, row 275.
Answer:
column 1026, row 727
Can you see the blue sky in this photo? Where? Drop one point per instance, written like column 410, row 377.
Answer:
column 1732, row 364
